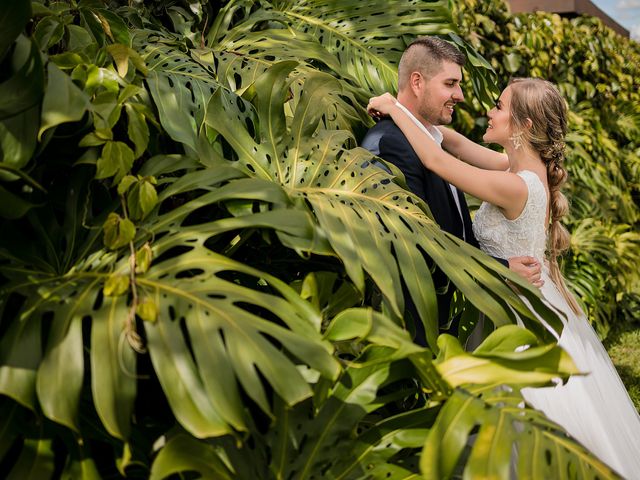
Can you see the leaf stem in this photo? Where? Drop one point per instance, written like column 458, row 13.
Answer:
column 134, row 339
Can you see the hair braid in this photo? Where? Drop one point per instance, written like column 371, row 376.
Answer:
column 540, row 101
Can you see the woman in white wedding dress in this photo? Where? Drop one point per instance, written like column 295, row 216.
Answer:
column 520, row 215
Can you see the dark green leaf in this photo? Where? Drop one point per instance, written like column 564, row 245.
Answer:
column 137, row 129
column 63, row 100
column 48, row 32
column 113, row 25
column 183, row 453
column 23, row 90
column 18, row 138
column 113, row 367
column 13, row 17
column 36, row 461
column 20, row 354
column 12, row 206
column 59, row 380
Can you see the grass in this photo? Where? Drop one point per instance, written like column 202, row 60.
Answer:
column 623, row 345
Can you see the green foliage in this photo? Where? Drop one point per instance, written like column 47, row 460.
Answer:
column 597, row 71
column 203, row 270
column 621, row 345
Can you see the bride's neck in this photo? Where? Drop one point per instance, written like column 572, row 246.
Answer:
column 523, row 159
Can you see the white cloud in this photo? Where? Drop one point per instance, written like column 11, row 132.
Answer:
column 628, row 4
column 634, row 32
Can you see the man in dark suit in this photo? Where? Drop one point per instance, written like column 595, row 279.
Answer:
column 429, row 76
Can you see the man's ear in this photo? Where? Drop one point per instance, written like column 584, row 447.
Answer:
column 416, row 82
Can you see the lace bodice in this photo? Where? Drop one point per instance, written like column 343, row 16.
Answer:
column 526, row 235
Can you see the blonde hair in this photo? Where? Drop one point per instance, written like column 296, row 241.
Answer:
column 539, row 114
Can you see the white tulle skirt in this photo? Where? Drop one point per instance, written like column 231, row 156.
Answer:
column 595, row 408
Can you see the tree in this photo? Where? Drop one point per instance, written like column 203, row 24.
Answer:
column 202, row 273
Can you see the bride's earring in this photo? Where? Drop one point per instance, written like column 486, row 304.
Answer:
column 516, row 139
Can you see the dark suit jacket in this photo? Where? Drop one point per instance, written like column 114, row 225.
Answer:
column 388, row 142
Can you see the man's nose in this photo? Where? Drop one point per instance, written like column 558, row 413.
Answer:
column 458, row 96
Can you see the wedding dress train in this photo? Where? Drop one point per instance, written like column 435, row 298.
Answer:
column 594, row 408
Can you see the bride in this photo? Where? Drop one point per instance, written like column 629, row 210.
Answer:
column 520, row 215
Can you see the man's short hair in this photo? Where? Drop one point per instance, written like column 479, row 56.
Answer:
column 425, row 55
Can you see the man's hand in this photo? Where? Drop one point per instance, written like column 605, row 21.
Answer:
column 528, row 268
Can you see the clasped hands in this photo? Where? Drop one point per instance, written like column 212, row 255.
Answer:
column 381, row 105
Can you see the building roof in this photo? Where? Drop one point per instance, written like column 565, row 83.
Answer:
column 568, row 8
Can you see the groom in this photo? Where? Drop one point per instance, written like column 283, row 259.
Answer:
column 429, row 76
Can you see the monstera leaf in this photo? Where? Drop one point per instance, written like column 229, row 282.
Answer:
column 179, row 87
column 370, row 222
column 505, row 425
column 352, row 431
column 355, row 34
column 487, row 413
column 208, row 336
column 307, row 440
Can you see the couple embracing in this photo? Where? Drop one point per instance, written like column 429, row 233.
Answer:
column 518, row 222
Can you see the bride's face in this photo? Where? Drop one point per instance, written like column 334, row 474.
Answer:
column 499, row 127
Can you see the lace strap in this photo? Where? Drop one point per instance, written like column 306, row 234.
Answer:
column 537, row 193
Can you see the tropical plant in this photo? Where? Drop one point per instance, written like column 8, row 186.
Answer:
column 202, row 272
column 597, row 70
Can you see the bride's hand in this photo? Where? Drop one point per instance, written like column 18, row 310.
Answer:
column 381, row 106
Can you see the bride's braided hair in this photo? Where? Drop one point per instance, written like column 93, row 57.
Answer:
column 540, row 102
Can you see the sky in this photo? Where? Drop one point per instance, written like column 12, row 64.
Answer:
column 625, row 12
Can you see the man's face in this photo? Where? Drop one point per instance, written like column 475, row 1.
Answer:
column 438, row 95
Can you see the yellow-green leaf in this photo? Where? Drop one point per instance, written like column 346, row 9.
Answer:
column 118, row 231
column 142, row 198
column 147, row 310
column 125, row 183
column 144, row 255
column 116, row 285
column 116, row 160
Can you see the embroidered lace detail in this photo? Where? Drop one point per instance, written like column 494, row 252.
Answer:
column 526, row 235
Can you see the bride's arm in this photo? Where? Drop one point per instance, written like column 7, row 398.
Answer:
column 503, row 189
column 472, row 153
